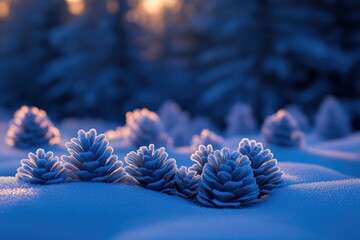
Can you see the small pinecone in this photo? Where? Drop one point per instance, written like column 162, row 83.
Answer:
column 228, row 181
column 240, row 120
column 151, row 168
column 31, row 127
column 266, row 170
column 41, row 168
column 207, row 137
column 332, row 121
column 187, row 183
column 200, row 157
column 282, row 129
column 91, row 159
column 145, row 127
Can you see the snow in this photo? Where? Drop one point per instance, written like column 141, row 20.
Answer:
column 320, row 200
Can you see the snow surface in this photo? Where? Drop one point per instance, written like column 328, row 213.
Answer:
column 320, row 200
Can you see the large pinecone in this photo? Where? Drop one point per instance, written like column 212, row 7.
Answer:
column 145, row 127
column 41, row 168
column 228, row 181
column 187, row 183
column 91, row 159
column 31, row 127
column 200, row 157
column 266, row 171
column 151, row 168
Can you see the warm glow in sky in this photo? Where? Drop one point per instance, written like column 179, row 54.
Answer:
column 4, row 9
column 155, row 7
column 76, row 7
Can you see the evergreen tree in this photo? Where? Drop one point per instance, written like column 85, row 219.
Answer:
column 25, row 49
column 95, row 74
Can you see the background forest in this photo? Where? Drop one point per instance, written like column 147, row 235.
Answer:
column 100, row 59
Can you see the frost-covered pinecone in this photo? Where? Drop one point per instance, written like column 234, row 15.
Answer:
column 200, row 157
column 176, row 123
column 91, row 159
column 228, row 181
column 240, row 120
column 151, row 168
column 145, row 127
column 266, row 170
column 207, row 137
column 332, row 121
column 41, row 168
column 31, row 127
column 282, row 129
column 187, row 183
column 300, row 117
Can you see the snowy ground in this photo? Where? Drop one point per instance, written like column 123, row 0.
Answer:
column 321, row 200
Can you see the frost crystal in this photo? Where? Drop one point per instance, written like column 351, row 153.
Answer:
column 31, row 127
column 200, row 157
column 41, row 168
column 151, row 168
column 91, row 159
column 228, row 181
column 186, row 183
column 145, row 127
column 266, row 171
column 282, row 129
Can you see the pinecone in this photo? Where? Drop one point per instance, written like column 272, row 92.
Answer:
column 332, row 121
column 91, row 159
column 266, row 171
column 227, row 181
column 145, row 127
column 187, row 183
column 41, row 168
column 200, row 157
column 282, row 129
column 31, row 127
column 207, row 137
column 151, row 168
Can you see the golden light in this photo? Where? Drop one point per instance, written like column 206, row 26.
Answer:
column 112, row 6
column 76, row 7
column 155, row 7
column 4, row 9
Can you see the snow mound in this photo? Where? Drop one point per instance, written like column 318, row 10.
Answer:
column 320, row 204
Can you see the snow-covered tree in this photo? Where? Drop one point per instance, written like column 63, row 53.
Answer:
column 207, row 137
column 91, row 159
column 152, row 169
column 228, row 181
column 31, row 127
column 282, row 129
column 25, row 49
column 332, row 121
column 95, row 74
column 41, row 168
column 187, row 183
column 266, row 171
column 145, row 127
column 240, row 120
column 200, row 157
